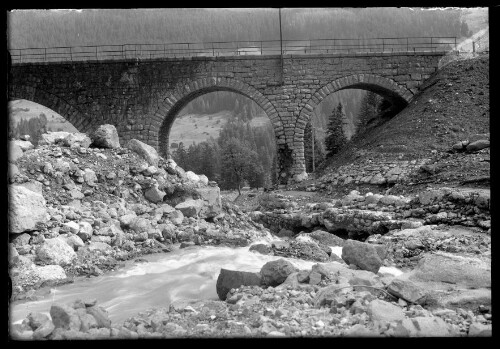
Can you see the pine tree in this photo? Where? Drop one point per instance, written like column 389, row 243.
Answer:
column 370, row 105
column 335, row 138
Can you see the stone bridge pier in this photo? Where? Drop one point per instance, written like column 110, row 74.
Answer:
column 143, row 98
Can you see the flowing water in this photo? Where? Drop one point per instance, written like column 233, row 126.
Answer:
column 187, row 274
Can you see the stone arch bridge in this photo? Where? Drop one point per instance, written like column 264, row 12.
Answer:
column 143, row 97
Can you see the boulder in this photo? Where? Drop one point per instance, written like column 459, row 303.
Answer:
column 85, row 230
column 364, row 256
column 65, row 317
column 32, row 185
column 448, row 268
column 190, row 207
column 407, row 290
column 203, row 179
column 26, row 209
column 275, row 272
column 145, row 151
column 212, row 204
column 327, row 238
column 24, row 145
column 140, row 225
column 56, row 251
column 154, row 194
column 424, row 327
column 262, row 249
column 101, row 316
column 176, row 217
column 12, row 172
column 478, row 145
column 380, row 310
column 52, row 137
column 74, row 241
column 48, row 273
column 15, row 152
column 478, row 329
column 229, row 279
column 106, row 136
column 193, row 177
column 76, row 139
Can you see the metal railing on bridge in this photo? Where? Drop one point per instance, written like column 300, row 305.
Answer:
column 233, row 48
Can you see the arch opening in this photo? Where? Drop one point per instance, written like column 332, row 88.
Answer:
column 370, row 101
column 33, row 119
column 202, row 123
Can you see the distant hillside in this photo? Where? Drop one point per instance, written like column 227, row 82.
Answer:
column 23, row 109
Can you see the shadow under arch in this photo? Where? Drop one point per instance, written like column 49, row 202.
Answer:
column 78, row 119
column 170, row 107
column 398, row 96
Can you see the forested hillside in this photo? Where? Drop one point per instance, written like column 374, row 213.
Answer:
column 44, row 28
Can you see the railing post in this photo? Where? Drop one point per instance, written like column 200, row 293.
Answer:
column 473, row 47
column 71, row 54
column 383, row 44
column 123, row 52
column 432, row 46
column 261, row 48
column 96, row 53
column 45, row 55
column 407, row 45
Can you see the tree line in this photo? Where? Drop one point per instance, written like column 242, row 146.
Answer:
column 241, row 155
column 44, row 28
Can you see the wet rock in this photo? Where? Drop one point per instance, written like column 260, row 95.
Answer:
column 275, row 272
column 229, row 279
column 65, row 317
column 43, row 330
column 56, row 251
column 262, row 249
column 145, row 151
column 26, row 209
column 365, row 256
column 101, row 316
column 88, row 322
column 106, row 136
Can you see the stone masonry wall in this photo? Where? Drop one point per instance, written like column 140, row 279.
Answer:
column 142, row 98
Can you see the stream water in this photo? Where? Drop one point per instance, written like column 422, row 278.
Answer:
column 187, row 274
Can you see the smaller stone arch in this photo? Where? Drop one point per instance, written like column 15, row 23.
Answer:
column 51, row 101
column 164, row 117
column 386, row 87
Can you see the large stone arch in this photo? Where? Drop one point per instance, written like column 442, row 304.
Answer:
column 386, row 87
column 164, row 117
column 72, row 114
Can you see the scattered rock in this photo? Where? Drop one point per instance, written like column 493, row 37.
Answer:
column 229, row 279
